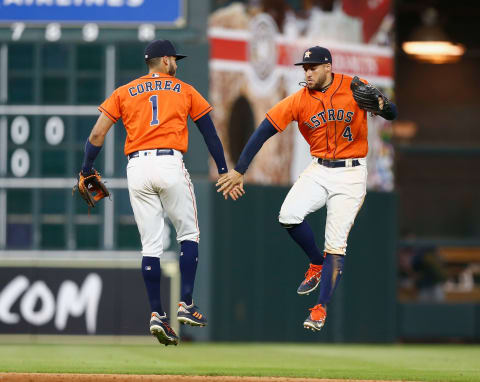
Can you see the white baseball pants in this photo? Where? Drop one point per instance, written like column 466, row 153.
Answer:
column 341, row 189
column 158, row 185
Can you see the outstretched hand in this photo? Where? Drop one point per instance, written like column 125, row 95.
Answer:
column 231, row 184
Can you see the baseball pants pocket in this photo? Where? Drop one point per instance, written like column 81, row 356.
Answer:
column 181, row 207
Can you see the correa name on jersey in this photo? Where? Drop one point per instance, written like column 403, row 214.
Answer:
column 330, row 115
column 152, row 86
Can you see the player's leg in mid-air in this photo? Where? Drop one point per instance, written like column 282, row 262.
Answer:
column 148, row 212
column 306, row 195
column 178, row 199
column 346, row 191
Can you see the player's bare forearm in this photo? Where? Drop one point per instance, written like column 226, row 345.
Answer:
column 100, row 130
column 230, row 181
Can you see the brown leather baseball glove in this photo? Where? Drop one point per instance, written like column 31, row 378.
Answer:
column 91, row 188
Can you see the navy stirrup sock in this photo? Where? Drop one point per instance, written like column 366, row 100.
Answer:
column 188, row 269
column 151, row 276
column 331, row 274
column 303, row 236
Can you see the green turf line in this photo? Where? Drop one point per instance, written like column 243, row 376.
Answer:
column 391, row 362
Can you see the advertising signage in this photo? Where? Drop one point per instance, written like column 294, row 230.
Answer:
column 118, row 13
column 85, row 301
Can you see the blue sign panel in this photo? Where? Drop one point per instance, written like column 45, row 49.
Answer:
column 124, row 12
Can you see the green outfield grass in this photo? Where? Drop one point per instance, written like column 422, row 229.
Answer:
column 394, row 362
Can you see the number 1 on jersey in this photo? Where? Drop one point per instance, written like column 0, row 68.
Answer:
column 154, row 99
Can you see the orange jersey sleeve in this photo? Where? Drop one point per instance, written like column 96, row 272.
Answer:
column 283, row 112
column 111, row 107
column 154, row 110
column 199, row 107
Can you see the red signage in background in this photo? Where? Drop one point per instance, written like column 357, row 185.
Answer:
column 371, row 62
column 372, row 13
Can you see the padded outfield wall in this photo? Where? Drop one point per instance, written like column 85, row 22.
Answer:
column 256, row 269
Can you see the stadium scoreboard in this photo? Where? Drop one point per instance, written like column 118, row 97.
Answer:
column 59, row 59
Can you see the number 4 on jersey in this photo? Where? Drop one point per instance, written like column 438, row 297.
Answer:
column 347, row 134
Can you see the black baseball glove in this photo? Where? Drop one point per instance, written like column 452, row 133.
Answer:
column 91, row 188
column 367, row 96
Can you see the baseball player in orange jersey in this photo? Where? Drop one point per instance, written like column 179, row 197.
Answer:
column 154, row 110
column 335, row 127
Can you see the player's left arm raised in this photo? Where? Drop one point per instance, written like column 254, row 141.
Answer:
column 214, row 145
column 369, row 98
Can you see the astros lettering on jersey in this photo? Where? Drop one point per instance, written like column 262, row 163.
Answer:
column 331, row 122
column 137, row 103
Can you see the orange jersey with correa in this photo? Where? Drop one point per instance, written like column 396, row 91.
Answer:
column 331, row 121
column 154, row 110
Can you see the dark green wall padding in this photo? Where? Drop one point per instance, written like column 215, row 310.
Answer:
column 439, row 322
column 256, row 269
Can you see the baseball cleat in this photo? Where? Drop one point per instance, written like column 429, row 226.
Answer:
column 190, row 315
column 312, row 279
column 316, row 319
column 160, row 328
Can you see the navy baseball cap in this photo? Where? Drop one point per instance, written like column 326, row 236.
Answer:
column 316, row 55
column 160, row 48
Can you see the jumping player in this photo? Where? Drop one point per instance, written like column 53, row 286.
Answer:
column 335, row 127
column 154, row 110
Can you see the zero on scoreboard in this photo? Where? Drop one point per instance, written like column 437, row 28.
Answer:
column 59, row 59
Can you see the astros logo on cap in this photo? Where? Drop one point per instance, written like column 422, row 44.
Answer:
column 307, row 54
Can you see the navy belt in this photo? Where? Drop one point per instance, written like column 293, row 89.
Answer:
column 337, row 163
column 136, row 154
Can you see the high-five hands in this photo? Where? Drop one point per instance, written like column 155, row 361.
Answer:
column 231, row 184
